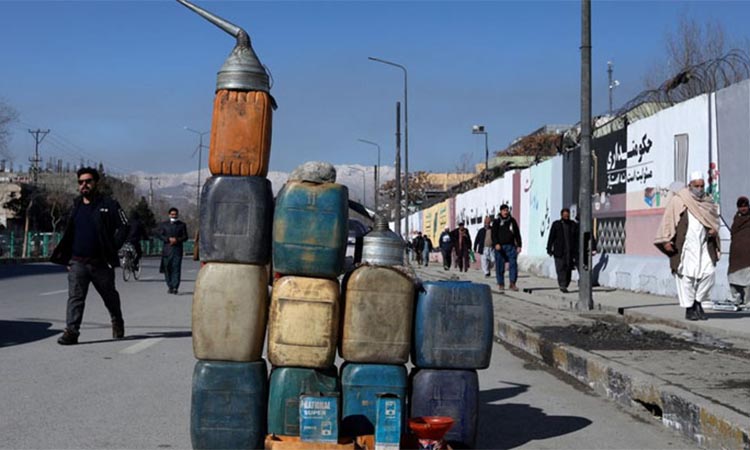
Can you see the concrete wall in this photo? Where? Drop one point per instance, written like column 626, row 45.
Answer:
column 635, row 167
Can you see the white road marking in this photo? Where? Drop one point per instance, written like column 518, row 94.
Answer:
column 61, row 291
column 143, row 345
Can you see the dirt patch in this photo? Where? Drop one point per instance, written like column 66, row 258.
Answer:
column 613, row 336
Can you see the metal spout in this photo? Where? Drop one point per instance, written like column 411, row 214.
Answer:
column 242, row 70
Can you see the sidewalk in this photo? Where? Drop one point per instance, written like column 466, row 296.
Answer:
column 635, row 349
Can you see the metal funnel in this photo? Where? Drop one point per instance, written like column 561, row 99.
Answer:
column 242, row 70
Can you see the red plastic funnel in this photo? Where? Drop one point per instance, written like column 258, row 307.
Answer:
column 430, row 427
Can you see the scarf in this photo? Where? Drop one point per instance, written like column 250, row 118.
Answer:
column 704, row 209
column 739, row 256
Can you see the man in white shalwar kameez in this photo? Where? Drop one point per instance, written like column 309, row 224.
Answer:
column 688, row 234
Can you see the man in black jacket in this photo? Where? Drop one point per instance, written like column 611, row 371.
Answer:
column 173, row 232
column 506, row 238
column 562, row 244
column 95, row 230
column 446, row 247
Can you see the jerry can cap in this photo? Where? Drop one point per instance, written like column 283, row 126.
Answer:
column 242, row 70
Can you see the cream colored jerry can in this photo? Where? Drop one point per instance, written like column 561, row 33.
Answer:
column 377, row 320
column 230, row 307
column 303, row 322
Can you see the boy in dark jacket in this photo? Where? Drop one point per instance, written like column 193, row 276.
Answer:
column 506, row 238
column 95, row 230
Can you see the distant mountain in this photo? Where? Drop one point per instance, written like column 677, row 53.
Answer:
column 180, row 189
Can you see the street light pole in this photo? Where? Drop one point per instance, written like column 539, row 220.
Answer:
column 377, row 175
column 406, row 136
column 479, row 129
column 200, row 158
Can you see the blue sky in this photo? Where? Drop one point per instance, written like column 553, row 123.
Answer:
column 118, row 80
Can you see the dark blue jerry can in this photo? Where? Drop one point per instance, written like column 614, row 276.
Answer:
column 453, row 326
column 236, row 220
column 361, row 384
column 228, row 407
column 285, row 387
column 451, row 393
column 310, row 229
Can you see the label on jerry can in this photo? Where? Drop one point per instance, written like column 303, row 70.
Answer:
column 388, row 422
column 319, row 417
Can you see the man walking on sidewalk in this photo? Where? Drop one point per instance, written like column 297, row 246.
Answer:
column 418, row 245
column 506, row 238
column 483, row 246
column 446, row 247
column 96, row 229
column 688, row 234
column 563, row 246
column 462, row 244
column 739, row 254
column 173, row 232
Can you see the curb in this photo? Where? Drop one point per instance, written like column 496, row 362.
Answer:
column 708, row 424
column 9, row 261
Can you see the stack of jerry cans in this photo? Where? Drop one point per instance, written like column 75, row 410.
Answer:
column 231, row 291
column 375, row 343
column 453, row 331
column 309, row 244
column 230, row 307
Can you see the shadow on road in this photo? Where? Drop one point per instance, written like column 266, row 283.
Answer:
column 23, row 270
column 138, row 337
column 17, row 332
column 510, row 425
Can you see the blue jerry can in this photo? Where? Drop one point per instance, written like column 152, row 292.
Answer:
column 236, row 218
column 361, row 384
column 451, row 393
column 228, row 407
column 388, row 423
column 453, row 326
column 310, row 229
column 285, row 387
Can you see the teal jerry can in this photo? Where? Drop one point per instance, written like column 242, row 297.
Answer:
column 310, row 227
column 285, row 387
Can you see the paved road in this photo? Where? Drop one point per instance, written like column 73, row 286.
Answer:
column 135, row 393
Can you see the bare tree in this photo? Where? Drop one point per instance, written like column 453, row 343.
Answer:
column 8, row 115
column 693, row 44
column 464, row 164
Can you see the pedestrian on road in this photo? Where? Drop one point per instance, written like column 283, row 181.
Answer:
column 462, row 245
column 483, row 246
column 446, row 247
column 562, row 244
column 739, row 254
column 689, row 235
column 96, row 228
column 426, row 249
column 506, row 238
column 418, row 244
column 173, row 232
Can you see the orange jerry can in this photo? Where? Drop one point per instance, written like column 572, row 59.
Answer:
column 240, row 133
column 241, row 125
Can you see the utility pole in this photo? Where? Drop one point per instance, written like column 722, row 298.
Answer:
column 39, row 136
column 397, row 226
column 585, row 300
column 151, row 190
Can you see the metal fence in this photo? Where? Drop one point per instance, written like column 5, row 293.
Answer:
column 41, row 245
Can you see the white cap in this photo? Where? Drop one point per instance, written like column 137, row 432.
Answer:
column 697, row 175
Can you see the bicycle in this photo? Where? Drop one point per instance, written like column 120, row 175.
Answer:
column 127, row 262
